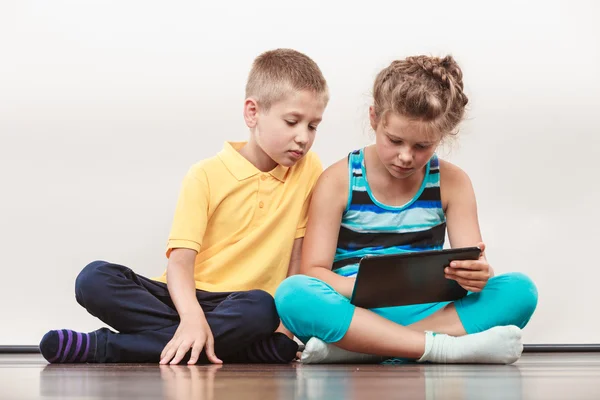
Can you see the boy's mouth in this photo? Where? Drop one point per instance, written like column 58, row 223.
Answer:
column 296, row 153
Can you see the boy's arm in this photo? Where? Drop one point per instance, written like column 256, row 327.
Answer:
column 193, row 331
column 316, row 168
column 180, row 281
column 185, row 240
column 293, row 269
column 296, row 257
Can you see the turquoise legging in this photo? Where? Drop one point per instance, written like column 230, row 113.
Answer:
column 311, row 308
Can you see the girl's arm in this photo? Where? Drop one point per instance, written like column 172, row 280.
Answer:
column 460, row 207
column 324, row 218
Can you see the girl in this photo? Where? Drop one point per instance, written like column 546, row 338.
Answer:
column 397, row 196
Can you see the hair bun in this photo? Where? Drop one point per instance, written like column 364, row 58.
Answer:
column 446, row 71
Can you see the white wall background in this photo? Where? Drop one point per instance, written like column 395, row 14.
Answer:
column 105, row 104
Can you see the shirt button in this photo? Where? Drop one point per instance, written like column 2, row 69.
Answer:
column 263, row 177
column 261, row 204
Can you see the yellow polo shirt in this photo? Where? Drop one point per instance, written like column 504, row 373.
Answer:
column 241, row 221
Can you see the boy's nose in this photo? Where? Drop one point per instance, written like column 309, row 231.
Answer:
column 302, row 137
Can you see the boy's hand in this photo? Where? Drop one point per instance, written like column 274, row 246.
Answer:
column 472, row 275
column 192, row 333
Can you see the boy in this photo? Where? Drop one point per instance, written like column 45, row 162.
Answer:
column 236, row 234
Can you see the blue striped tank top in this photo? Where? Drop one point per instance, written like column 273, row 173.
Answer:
column 370, row 227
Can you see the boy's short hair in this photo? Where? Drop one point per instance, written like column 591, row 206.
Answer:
column 276, row 73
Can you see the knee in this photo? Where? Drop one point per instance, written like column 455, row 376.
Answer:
column 290, row 297
column 310, row 307
column 523, row 295
column 262, row 316
column 90, row 283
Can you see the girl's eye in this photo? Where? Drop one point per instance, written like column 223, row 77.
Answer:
column 423, row 146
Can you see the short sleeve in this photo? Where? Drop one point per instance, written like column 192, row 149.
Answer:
column 191, row 212
column 314, row 170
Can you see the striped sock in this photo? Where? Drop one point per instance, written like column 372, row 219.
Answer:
column 67, row 346
column 276, row 349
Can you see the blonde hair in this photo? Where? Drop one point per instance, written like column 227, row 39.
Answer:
column 276, row 73
column 422, row 88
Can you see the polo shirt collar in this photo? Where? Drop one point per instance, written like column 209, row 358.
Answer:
column 241, row 168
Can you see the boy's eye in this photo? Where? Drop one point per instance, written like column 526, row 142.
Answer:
column 312, row 127
column 395, row 141
column 422, row 146
column 291, row 123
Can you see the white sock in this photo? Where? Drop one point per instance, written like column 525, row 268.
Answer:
column 317, row 351
column 499, row 345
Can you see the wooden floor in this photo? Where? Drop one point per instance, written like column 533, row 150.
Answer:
column 535, row 376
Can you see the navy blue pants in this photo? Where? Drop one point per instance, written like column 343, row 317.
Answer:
column 142, row 312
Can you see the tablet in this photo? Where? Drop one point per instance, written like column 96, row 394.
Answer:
column 408, row 278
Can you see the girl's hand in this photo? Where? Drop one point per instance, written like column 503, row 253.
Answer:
column 472, row 275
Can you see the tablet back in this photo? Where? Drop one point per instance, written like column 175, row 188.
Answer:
column 408, row 278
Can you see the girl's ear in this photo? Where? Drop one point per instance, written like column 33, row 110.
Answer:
column 373, row 118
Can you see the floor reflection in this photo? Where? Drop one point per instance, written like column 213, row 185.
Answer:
column 418, row 382
column 189, row 382
column 266, row 382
